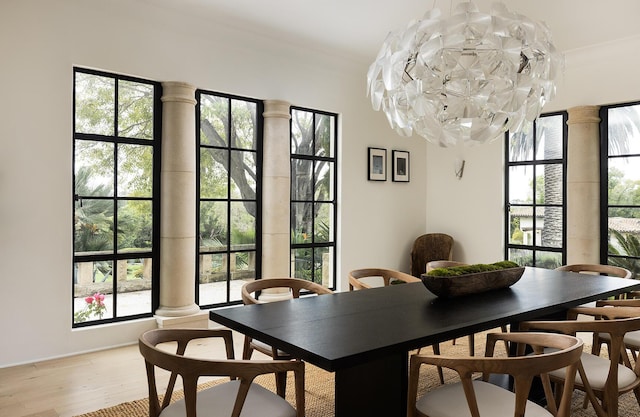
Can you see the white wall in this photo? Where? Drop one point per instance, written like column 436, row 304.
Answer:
column 41, row 41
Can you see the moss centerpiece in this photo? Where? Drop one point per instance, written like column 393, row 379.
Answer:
column 456, row 281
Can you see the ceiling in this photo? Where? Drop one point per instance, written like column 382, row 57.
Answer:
column 356, row 28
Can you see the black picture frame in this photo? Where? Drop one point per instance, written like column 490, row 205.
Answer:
column 377, row 164
column 401, row 167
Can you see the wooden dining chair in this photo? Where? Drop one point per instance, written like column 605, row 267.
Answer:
column 607, row 270
column 166, row 349
column 443, row 264
column 602, row 379
column 365, row 278
column 361, row 279
column 251, row 292
column 430, row 247
column 597, row 269
column 478, row 397
column 631, row 340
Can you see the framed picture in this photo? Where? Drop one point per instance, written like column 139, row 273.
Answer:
column 400, row 166
column 377, row 164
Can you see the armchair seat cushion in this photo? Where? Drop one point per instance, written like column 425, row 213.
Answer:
column 218, row 401
column 448, row 401
column 597, row 370
column 267, row 349
column 630, row 339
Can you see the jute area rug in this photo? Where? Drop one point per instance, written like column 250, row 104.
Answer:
column 319, row 386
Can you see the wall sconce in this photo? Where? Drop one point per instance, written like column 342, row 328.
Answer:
column 459, row 168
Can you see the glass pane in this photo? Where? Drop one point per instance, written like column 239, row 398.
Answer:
column 243, row 225
column 324, row 181
column 549, row 227
column 301, row 179
column 302, row 263
column 522, row 257
column 95, row 104
column 135, row 226
column 624, row 219
column 624, row 181
column 623, row 238
column 325, row 140
column 624, row 130
column 94, row 168
column 135, row 110
column 213, row 173
column 323, row 223
column 523, row 230
column 243, row 175
column 135, row 171
column 134, row 286
column 624, row 232
column 92, row 286
column 631, row 264
column 243, row 115
column 323, row 262
column 213, row 278
column 243, row 269
column 301, row 217
column 549, row 184
column 301, row 132
column 213, row 226
column 521, row 184
column 519, row 218
column 548, row 260
column 521, row 144
column 214, row 120
column 549, row 132
column 93, row 227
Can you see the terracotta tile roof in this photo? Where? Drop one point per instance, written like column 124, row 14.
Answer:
column 624, row 225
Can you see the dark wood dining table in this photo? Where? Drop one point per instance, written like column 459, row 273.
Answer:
column 365, row 336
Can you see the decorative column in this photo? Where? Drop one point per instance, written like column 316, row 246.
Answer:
column 583, row 185
column 276, row 192
column 178, row 208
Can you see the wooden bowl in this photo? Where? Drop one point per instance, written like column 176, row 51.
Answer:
column 472, row 283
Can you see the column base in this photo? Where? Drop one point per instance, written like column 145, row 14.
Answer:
column 188, row 316
column 194, row 321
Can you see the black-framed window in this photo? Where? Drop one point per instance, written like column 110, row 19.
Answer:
column 620, row 186
column 535, row 192
column 314, row 205
column 229, row 140
column 116, row 159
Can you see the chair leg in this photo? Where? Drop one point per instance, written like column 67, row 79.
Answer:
column 436, row 351
column 596, row 346
column 504, row 329
column 636, row 392
column 246, row 348
column 596, row 349
column 281, row 383
column 472, row 344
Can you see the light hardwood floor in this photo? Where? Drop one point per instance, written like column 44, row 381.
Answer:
column 79, row 384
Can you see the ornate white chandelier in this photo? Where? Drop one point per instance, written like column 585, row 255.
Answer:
column 468, row 78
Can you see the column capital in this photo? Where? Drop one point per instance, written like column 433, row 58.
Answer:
column 178, row 91
column 584, row 114
column 277, row 109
